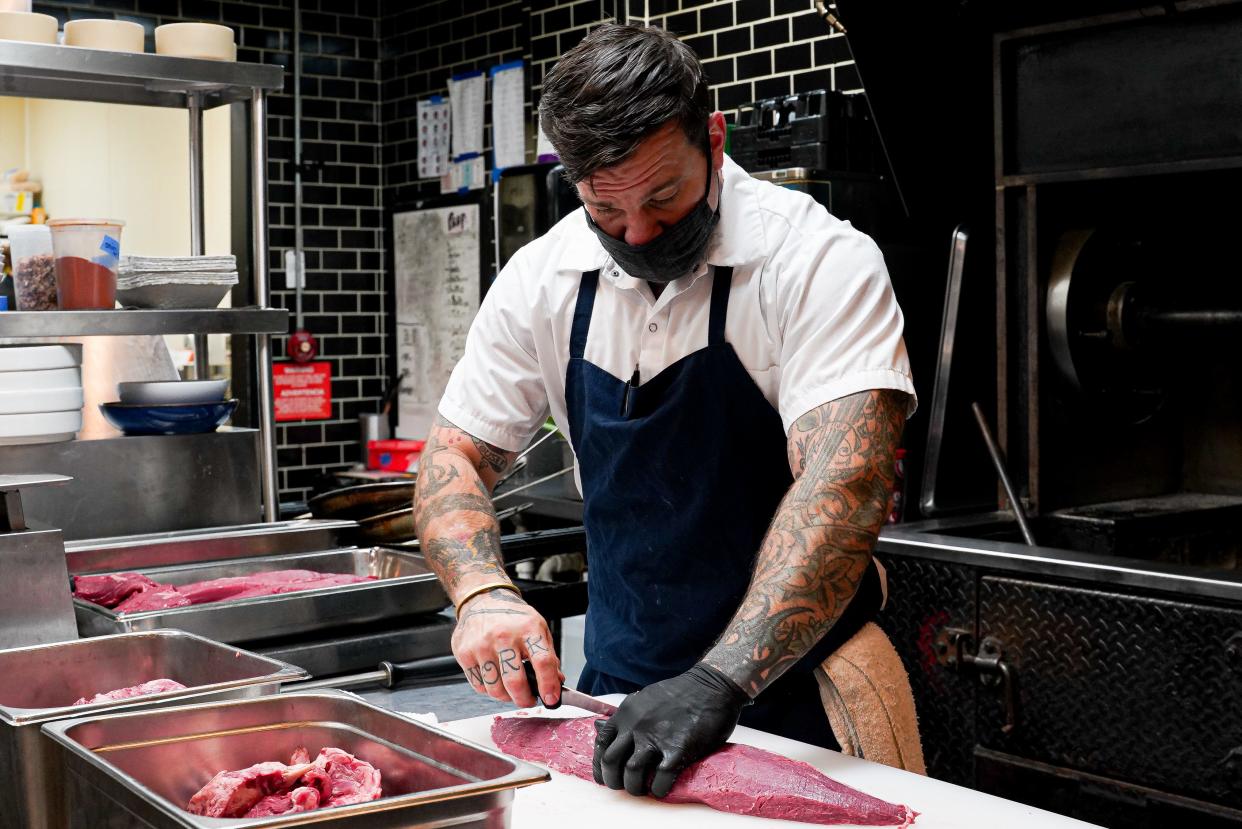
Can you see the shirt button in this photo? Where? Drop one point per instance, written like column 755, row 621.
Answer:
column 614, row 273
column 652, row 327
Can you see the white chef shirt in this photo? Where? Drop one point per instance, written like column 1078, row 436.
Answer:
column 812, row 316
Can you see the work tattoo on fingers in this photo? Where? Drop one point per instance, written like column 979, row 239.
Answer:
column 490, row 671
column 819, row 544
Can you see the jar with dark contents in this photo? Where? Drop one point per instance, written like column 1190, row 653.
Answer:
column 34, row 282
column 34, row 269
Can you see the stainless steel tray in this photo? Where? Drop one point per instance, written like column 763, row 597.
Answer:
column 405, row 586
column 141, row 769
column 130, row 552
column 39, row 684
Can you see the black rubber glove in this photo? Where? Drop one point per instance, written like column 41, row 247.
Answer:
column 665, row 727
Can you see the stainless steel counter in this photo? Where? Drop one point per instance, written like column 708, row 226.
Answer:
column 949, row 540
column 453, row 701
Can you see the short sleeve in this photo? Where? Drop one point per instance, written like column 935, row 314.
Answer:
column 496, row 392
column 840, row 325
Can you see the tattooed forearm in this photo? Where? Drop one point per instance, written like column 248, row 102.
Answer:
column 820, row 542
column 453, row 512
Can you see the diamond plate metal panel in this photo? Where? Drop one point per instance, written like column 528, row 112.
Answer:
column 1136, row 688
column 924, row 597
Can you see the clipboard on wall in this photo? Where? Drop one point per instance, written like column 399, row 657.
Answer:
column 440, row 269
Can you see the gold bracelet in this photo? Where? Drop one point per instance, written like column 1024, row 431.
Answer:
column 484, row 588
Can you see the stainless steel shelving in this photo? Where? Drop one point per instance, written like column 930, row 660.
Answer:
column 31, row 70
column 35, row 70
column 115, row 323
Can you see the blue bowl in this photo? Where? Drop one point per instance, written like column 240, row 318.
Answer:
column 168, row 419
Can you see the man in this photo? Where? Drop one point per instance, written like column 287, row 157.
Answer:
column 727, row 361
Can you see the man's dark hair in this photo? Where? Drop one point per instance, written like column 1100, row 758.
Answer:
column 619, row 85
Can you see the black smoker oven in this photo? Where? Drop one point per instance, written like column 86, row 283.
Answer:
column 1093, row 308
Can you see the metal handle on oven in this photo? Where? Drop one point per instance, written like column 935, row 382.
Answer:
column 940, row 391
column 953, row 650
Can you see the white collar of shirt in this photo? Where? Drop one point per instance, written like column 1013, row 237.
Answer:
column 738, row 239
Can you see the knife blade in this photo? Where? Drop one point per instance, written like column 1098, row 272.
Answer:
column 568, row 696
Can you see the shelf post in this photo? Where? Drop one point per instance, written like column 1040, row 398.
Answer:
column 198, row 223
column 263, row 342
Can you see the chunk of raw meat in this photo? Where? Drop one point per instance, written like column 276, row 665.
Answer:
column 134, row 593
column 301, row 799
column 154, row 686
column 350, row 780
column 335, row 778
column 234, row 793
column 110, row 589
column 263, row 584
column 738, row 779
column 160, row 597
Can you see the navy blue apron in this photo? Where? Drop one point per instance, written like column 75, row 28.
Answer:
column 681, row 476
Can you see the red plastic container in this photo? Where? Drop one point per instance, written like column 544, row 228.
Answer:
column 394, row 455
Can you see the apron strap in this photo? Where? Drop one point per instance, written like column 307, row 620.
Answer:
column 722, row 280
column 582, row 314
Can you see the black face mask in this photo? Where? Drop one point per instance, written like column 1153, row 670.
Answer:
column 675, row 251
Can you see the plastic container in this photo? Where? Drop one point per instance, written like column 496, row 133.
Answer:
column 87, row 254
column 206, row 41
column 394, row 455
column 108, row 35
column 32, row 28
column 34, row 272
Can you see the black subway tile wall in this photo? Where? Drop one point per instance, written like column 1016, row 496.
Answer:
column 756, row 48
column 342, row 197
column 422, row 45
column 365, row 65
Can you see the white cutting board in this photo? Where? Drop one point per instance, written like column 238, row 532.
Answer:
column 566, row 801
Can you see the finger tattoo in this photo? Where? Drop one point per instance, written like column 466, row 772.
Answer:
column 489, row 669
column 509, row 661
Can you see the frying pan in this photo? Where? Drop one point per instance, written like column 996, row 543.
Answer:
column 354, row 503
column 398, row 525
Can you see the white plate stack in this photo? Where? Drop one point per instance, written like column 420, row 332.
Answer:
column 40, row 393
column 175, row 282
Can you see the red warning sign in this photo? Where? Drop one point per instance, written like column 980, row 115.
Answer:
column 302, row 391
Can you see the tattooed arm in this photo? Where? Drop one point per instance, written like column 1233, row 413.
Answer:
column 460, row 538
column 820, row 542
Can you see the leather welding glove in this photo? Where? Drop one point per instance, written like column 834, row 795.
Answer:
column 665, row 727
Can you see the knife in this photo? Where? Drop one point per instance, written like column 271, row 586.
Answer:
column 568, row 696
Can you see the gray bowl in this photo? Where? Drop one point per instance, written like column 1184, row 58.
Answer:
column 165, row 392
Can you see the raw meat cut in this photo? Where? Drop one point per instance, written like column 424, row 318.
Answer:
column 350, row 780
column 234, row 793
column 110, row 589
column 301, row 799
column 263, row 584
column 335, row 778
column 134, row 592
column 160, row 597
column 154, row 686
column 739, row 779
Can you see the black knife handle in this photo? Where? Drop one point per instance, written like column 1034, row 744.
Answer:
column 534, row 685
column 421, row 672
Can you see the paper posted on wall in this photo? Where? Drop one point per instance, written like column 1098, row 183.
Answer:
column 438, row 276
column 508, row 115
column 466, row 93
column 463, row 174
column 434, row 128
